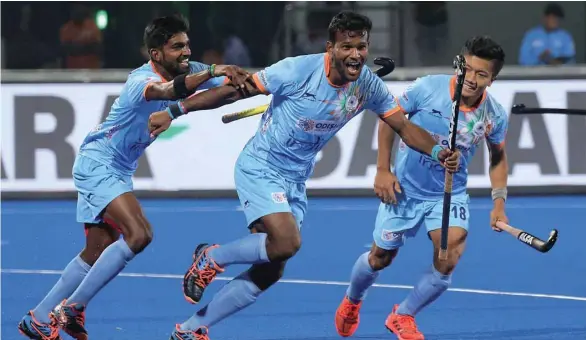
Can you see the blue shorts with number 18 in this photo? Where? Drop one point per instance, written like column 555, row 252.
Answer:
column 396, row 223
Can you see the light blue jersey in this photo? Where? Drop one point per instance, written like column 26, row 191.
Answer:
column 428, row 102
column 306, row 111
column 108, row 156
column 122, row 138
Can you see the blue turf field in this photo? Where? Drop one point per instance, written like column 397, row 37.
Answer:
column 502, row 289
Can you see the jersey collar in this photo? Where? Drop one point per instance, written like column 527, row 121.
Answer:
column 463, row 107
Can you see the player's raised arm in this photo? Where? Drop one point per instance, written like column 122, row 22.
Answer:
column 384, row 104
column 185, row 85
column 276, row 79
column 415, row 137
column 207, row 100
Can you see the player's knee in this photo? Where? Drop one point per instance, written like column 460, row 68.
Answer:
column 285, row 248
column 283, row 237
column 381, row 258
column 138, row 236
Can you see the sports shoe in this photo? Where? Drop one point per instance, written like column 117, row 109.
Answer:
column 198, row 334
column 33, row 329
column 403, row 326
column 201, row 273
column 347, row 317
column 71, row 319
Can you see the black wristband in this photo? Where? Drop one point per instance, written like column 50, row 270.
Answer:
column 176, row 111
column 179, row 86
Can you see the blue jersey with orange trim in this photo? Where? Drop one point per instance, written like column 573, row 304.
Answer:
column 306, row 111
column 428, row 101
column 122, row 138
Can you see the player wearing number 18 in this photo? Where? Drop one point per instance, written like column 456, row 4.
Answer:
column 412, row 198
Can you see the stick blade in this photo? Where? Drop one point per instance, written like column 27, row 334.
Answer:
column 387, row 65
column 537, row 243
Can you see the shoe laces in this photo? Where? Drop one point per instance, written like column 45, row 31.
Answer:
column 206, row 270
column 350, row 309
column 407, row 324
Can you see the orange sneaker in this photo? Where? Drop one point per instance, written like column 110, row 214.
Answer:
column 403, row 326
column 347, row 317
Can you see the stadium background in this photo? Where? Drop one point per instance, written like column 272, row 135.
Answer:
column 503, row 290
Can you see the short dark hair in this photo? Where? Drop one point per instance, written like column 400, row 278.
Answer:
column 554, row 9
column 348, row 21
column 160, row 30
column 486, row 48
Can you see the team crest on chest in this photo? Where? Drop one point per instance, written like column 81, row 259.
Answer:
column 475, row 127
column 350, row 101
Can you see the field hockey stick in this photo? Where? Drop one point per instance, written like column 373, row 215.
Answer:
column 228, row 118
column 530, row 240
column 521, row 109
column 387, row 65
column 460, row 66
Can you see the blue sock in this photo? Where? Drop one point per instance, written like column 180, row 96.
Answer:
column 71, row 277
column 363, row 276
column 111, row 262
column 251, row 249
column 236, row 295
column 427, row 290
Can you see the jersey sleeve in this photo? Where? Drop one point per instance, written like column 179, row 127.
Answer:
column 277, row 79
column 411, row 99
column 380, row 99
column 136, row 86
column 500, row 124
column 210, row 84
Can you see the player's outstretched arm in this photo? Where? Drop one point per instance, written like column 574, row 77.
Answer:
column 207, row 100
column 185, row 85
column 220, row 96
column 418, row 139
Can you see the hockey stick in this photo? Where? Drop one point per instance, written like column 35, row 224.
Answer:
column 530, row 240
column 521, row 109
column 460, row 66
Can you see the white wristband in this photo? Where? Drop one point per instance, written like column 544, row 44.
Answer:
column 499, row 193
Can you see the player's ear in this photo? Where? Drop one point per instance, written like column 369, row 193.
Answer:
column 155, row 54
column 329, row 46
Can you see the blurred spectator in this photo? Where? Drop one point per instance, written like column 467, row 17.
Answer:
column 212, row 56
column 81, row 40
column 432, row 31
column 235, row 50
column 314, row 41
column 27, row 51
column 548, row 44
